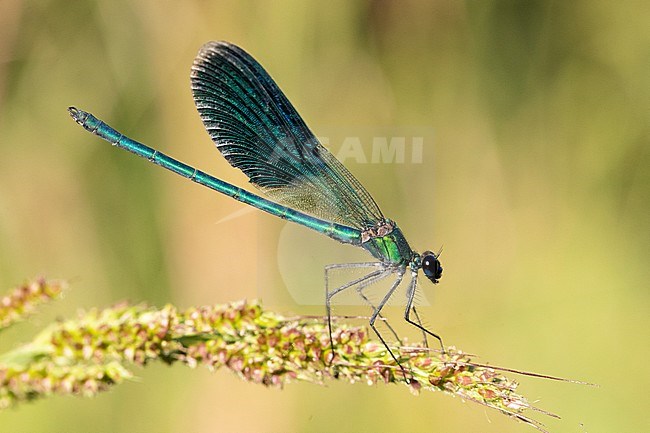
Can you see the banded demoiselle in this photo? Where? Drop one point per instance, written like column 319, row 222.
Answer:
column 258, row 131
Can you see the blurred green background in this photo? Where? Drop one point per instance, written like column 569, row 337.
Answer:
column 537, row 184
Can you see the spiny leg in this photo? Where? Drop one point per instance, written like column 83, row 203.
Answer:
column 373, row 276
column 400, row 276
column 351, row 283
column 365, row 281
column 424, row 334
column 412, row 286
column 361, row 287
column 352, row 266
column 410, row 294
column 369, row 302
column 328, row 268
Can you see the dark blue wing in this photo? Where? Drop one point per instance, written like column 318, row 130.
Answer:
column 258, row 131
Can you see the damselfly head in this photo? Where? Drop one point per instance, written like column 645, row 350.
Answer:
column 431, row 266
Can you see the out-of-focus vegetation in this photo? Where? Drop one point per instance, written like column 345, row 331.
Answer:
column 536, row 181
